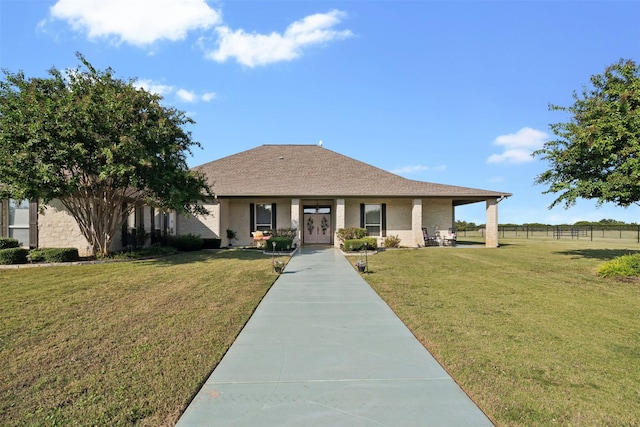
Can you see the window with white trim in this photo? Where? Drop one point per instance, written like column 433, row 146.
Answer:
column 18, row 225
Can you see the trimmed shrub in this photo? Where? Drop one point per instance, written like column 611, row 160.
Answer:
column 355, row 245
column 392, row 242
column 351, row 233
column 8, row 242
column 54, row 255
column 290, row 233
column 14, row 256
column 625, row 266
column 186, row 242
column 282, row 243
column 211, row 243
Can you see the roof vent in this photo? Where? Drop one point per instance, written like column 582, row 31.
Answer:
column 281, row 157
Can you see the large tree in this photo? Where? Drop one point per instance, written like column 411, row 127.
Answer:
column 597, row 152
column 96, row 143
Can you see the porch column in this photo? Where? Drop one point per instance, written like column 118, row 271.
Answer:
column 340, row 221
column 416, row 222
column 491, row 240
column 295, row 219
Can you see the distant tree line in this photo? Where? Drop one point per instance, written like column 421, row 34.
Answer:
column 464, row 225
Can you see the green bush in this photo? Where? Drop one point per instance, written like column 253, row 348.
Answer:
column 14, row 256
column 351, row 233
column 8, row 242
column 54, row 255
column 355, row 245
column 147, row 252
column 211, row 243
column 186, row 242
column 392, row 242
column 282, row 243
column 290, row 233
column 626, row 265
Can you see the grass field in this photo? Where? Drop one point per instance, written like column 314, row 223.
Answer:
column 528, row 330
column 120, row 343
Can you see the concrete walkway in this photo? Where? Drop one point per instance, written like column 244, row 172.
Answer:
column 323, row 349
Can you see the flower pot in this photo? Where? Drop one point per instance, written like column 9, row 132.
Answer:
column 361, row 268
column 279, row 269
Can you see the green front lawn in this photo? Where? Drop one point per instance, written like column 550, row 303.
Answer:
column 528, row 330
column 120, row 343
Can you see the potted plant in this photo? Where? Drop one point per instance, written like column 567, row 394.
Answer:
column 231, row 235
column 278, row 266
column 361, row 265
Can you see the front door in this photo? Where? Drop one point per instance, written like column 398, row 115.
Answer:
column 317, row 225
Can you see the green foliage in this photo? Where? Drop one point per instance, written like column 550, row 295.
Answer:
column 94, row 142
column 141, row 253
column 14, row 256
column 54, row 255
column 392, row 242
column 354, row 245
column 626, row 266
column 282, row 243
column 597, row 153
column 464, row 225
column 290, row 233
column 186, row 242
column 8, row 242
column 231, row 235
column 351, row 233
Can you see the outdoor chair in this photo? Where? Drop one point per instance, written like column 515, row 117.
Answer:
column 428, row 240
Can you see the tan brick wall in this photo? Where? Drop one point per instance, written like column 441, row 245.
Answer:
column 437, row 213
column 205, row 226
column 58, row 229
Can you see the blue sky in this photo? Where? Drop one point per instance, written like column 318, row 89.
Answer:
column 454, row 92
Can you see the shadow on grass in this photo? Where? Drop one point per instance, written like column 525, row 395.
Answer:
column 601, row 254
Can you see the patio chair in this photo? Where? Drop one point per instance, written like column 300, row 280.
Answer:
column 428, row 240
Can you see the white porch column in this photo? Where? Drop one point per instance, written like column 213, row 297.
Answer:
column 416, row 222
column 491, row 240
column 295, row 219
column 340, row 220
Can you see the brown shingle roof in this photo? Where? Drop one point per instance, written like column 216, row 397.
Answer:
column 314, row 171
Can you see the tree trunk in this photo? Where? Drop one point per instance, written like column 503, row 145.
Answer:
column 99, row 214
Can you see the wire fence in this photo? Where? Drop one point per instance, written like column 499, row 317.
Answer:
column 588, row 232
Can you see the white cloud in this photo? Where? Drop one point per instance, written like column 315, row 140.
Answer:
column 260, row 49
column 407, row 170
column 518, row 146
column 209, row 96
column 183, row 95
column 138, row 22
column 153, row 87
column 186, row 95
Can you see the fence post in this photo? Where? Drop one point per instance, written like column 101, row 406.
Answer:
column 592, row 232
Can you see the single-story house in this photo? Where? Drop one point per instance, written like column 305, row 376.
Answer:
column 307, row 187
column 318, row 191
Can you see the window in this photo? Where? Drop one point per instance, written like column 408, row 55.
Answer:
column 19, row 221
column 373, row 219
column 264, row 215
